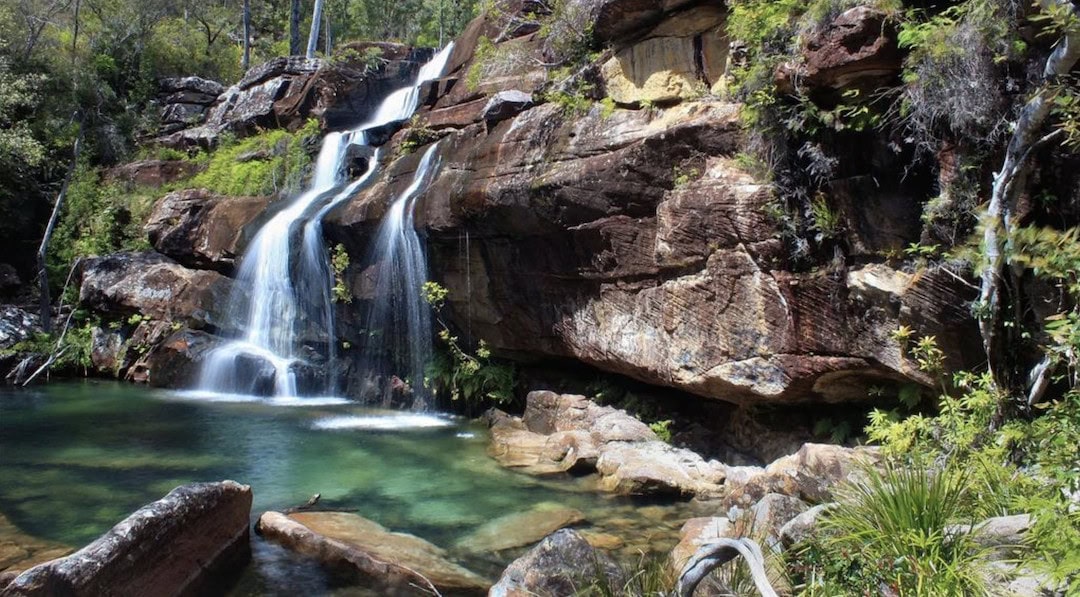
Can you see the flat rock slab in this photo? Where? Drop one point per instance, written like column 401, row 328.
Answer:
column 520, row 529
column 177, row 545
column 398, row 563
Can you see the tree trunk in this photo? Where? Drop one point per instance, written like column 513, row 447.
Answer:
column 328, row 46
column 246, row 61
column 313, row 36
column 998, row 222
column 45, row 301
column 294, row 29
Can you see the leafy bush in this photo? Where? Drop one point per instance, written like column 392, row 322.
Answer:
column 475, row 379
column 98, row 219
column 953, row 70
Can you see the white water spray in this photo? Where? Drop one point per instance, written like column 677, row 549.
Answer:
column 283, row 294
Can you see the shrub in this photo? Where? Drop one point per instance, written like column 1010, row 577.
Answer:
column 896, row 528
column 267, row 163
column 474, row 379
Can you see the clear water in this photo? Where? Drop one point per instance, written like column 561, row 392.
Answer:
column 75, row 459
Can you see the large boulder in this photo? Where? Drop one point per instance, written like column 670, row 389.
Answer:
column 634, row 241
column 855, row 51
column 697, row 532
column 811, row 474
column 201, row 229
column 177, row 360
column 186, row 100
column 769, row 515
column 560, row 565
column 153, row 286
column 570, row 433
column 17, row 325
column 178, row 545
column 397, row 563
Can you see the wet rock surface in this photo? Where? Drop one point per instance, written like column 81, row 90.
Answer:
column 350, row 544
column 285, row 91
column 170, row 547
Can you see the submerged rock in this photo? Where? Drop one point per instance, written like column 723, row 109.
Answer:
column 519, row 529
column 19, row 551
column 176, row 545
column 349, row 544
column 561, row 564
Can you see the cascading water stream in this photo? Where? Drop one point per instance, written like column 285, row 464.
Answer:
column 400, row 317
column 282, row 294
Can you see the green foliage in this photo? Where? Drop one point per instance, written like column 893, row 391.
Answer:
column 98, row 218
column 339, row 263
column 952, row 67
column 607, row 108
column 371, row 58
column 574, row 101
column 417, row 135
column 650, row 575
column 662, row 429
column 483, row 55
column 837, row 432
column 826, row 220
column 896, row 528
column 475, row 379
column 270, row 162
column 684, row 175
column 1016, row 457
column 18, row 95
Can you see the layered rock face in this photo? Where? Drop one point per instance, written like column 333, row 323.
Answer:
column 286, row 91
column 632, row 239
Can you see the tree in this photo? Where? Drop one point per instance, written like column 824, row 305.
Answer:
column 294, row 29
column 313, row 36
column 246, row 61
column 999, row 222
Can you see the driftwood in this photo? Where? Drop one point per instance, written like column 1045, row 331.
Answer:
column 716, row 553
column 305, row 506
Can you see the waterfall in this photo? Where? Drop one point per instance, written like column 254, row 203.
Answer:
column 282, row 298
column 400, row 319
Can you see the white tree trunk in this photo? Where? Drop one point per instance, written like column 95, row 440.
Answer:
column 313, row 36
column 998, row 221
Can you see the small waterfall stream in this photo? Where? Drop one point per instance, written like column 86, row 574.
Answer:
column 282, row 296
column 400, row 319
